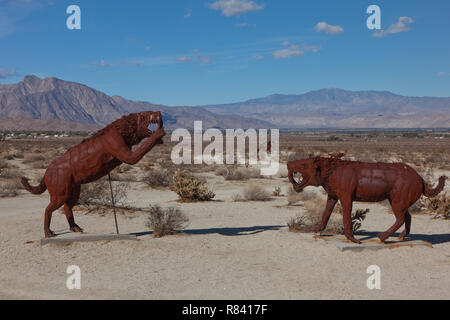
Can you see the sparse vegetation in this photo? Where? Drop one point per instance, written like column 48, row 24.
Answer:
column 166, row 221
column 9, row 190
column 277, row 192
column 439, row 206
column 96, row 197
column 292, row 196
column 255, row 192
column 313, row 216
column 156, row 178
column 189, row 188
column 239, row 173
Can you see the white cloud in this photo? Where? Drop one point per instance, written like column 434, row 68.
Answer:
column 293, row 50
column 402, row 25
column 441, row 74
column 244, row 25
column 184, row 59
column 197, row 58
column 188, row 13
column 328, row 28
column 235, row 7
column 257, row 57
column 102, row 63
column 7, row 73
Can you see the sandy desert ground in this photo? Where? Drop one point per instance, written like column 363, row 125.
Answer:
column 230, row 250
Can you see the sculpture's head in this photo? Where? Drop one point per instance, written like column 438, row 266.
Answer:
column 307, row 172
column 145, row 120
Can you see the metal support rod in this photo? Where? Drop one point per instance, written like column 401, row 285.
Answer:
column 113, row 203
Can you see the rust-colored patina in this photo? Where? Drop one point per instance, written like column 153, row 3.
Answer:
column 94, row 158
column 349, row 181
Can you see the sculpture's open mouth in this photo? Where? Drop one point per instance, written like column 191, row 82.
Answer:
column 298, row 180
column 151, row 125
column 298, row 177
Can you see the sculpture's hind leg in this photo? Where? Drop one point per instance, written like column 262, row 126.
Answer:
column 55, row 204
column 399, row 213
column 70, row 203
column 407, row 226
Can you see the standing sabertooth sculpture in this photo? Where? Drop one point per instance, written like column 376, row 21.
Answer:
column 349, row 181
column 94, row 158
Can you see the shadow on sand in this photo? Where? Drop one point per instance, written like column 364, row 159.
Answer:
column 241, row 231
column 431, row 238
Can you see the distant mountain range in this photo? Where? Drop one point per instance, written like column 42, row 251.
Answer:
column 54, row 103
column 337, row 108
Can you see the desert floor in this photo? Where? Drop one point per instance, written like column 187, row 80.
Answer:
column 230, row 250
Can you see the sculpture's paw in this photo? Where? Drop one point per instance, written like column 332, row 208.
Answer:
column 353, row 239
column 76, row 228
column 49, row 233
column 382, row 237
column 318, row 229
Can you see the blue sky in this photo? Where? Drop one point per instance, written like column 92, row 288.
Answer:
column 219, row 51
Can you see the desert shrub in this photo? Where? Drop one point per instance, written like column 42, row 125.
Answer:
column 313, row 216
column 277, row 192
column 124, row 177
column 96, row 196
column 9, row 174
column 158, row 178
column 307, row 194
column 292, row 196
column 239, row 173
column 358, row 218
column 34, row 158
column 418, row 207
column 3, row 164
column 236, row 197
column 298, row 224
column 189, row 188
column 165, row 221
column 9, row 190
column 255, row 192
column 439, row 205
column 19, row 155
column 38, row 165
column 8, row 157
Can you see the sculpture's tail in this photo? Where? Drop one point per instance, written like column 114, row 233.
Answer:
column 34, row 190
column 428, row 192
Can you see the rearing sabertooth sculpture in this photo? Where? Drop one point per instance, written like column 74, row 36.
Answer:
column 94, row 158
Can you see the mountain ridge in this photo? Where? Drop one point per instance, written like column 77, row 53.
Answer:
column 56, row 99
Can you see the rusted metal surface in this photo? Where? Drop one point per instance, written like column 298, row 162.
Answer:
column 94, row 158
column 348, row 181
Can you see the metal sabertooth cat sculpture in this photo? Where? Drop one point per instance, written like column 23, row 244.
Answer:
column 349, row 181
column 94, row 158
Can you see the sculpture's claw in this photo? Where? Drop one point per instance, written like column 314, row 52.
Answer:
column 353, row 239
column 49, row 233
column 382, row 237
column 319, row 229
column 76, row 228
